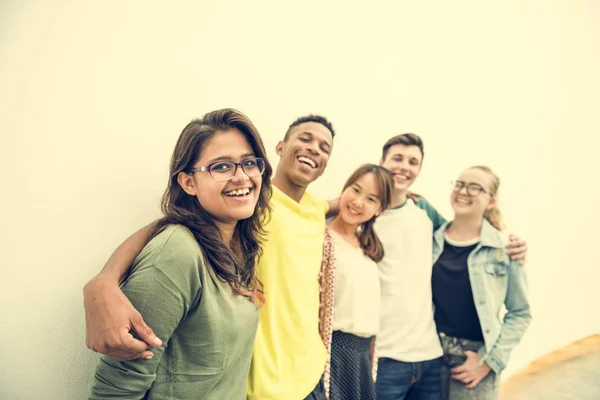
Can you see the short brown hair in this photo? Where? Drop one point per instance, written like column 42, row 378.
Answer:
column 407, row 139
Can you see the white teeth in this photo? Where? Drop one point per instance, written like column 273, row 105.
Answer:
column 307, row 161
column 239, row 192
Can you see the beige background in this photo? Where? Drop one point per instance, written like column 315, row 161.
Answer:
column 94, row 94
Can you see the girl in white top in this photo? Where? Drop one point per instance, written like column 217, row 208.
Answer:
column 356, row 308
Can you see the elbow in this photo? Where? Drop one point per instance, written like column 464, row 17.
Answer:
column 115, row 379
column 519, row 318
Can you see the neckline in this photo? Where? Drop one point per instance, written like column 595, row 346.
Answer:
column 341, row 238
column 461, row 243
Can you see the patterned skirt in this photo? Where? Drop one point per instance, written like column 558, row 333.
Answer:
column 351, row 371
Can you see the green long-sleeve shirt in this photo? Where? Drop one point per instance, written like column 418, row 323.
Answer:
column 207, row 331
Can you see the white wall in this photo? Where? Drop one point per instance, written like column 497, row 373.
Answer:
column 94, row 94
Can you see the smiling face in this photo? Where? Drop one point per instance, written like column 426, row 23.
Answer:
column 404, row 162
column 360, row 201
column 227, row 201
column 471, row 194
column 305, row 153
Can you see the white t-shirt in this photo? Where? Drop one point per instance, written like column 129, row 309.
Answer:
column 357, row 295
column 407, row 329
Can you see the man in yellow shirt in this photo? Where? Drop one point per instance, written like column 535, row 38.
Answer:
column 289, row 356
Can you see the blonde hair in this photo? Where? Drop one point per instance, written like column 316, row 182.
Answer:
column 492, row 215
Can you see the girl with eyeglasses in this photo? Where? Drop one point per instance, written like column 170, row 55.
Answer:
column 473, row 280
column 195, row 281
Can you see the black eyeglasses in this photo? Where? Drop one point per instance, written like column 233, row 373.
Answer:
column 225, row 170
column 473, row 189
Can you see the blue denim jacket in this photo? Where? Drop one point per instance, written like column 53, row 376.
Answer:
column 496, row 281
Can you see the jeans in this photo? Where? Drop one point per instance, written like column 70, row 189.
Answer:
column 398, row 380
column 454, row 355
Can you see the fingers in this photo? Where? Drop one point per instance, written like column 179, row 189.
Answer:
column 472, row 384
column 122, row 355
column 144, row 331
column 463, row 377
column 147, row 355
column 459, row 369
column 516, row 246
column 121, row 346
column 517, row 253
column 129, row 344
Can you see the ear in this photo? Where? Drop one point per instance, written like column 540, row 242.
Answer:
column 491, row 204
column 186, row 182
column 279, row 148
column 381, row 162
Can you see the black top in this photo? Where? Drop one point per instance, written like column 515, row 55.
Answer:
column 455, row 312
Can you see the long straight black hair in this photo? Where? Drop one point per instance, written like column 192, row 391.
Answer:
column 368, row 239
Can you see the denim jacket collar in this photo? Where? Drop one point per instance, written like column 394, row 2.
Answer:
column 488, row 235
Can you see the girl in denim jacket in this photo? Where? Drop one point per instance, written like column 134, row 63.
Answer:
column 473, row 279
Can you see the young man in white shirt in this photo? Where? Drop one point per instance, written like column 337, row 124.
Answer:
column 407, row 344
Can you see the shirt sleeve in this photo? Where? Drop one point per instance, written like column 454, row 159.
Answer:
column 516, row 319
column 436, row 218
column 326, row 206
column 162, row 287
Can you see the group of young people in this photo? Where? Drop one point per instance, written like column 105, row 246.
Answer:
column 245, row 290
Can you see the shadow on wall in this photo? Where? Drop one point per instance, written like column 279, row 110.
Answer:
column 571, row 372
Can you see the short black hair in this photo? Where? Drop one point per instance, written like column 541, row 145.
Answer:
column 319, row 119
column 407, row 139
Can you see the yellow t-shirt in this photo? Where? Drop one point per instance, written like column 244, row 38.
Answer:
column 289, row 356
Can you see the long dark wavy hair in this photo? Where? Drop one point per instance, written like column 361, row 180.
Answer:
column 233, row 264
column 368, row 239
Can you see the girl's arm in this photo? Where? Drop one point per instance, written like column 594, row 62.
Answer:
column 109, row 315
column 516, row 319
column 162, row 288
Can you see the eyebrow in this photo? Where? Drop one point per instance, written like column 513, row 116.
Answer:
column 370, row 194
column 229, row 158
column 324, row 142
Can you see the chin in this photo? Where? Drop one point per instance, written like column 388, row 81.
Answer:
column 402, row 186
column 242, row 214
column 301, row 179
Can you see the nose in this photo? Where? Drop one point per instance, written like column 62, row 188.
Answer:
column 313, row 147
column 358, row 202
column 239, row 175
column 463, row 190
column 404, row 164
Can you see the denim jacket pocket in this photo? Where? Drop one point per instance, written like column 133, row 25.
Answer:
column 496, row 269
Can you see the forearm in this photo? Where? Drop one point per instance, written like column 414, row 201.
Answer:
column 159, row 300
column 513, row 328
column 121, row 259
column 334, row 208
column 516, row 319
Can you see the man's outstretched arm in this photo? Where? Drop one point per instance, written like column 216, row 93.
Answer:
column 109, row 315
column 333, row 209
